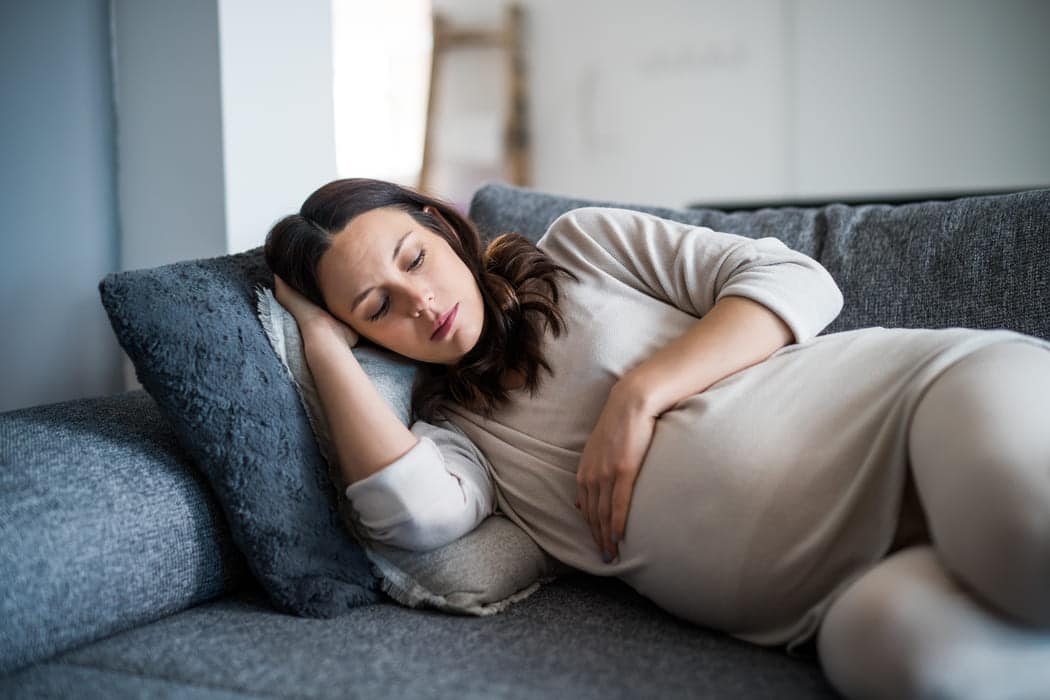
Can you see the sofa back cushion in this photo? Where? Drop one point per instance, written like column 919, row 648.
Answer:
column 497, row 208
column 976, row 262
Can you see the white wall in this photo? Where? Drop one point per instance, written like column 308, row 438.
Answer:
column 687, row 98
column 224, row 123
column 899, row 96
column 678, row 101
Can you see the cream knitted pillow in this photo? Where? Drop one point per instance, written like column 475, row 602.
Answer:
column 481, row 573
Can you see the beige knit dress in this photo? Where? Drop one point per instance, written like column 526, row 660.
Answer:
column 760, row 498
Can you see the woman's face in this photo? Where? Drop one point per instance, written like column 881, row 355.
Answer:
column 383, row 268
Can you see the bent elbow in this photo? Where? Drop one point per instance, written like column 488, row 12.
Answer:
column 421, row 535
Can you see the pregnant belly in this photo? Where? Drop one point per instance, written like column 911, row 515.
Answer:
column 762, row 494
column 696, row 511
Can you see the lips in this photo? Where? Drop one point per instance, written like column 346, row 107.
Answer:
column 444, row 324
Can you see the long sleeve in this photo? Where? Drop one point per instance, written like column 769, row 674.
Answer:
column 692, row 267
column 435, row 493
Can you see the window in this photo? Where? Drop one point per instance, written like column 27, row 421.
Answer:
column 381, row 56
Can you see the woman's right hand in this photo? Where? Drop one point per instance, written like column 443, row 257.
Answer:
column 307, row 313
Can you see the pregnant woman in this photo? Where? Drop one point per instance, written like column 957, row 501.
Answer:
column 652, row 401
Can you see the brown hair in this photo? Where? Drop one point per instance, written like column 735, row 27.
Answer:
column 517, row 281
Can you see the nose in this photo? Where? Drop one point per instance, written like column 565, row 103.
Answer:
column 421, row 299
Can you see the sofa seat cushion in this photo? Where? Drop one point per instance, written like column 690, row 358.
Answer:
column 104, row 525
column 578, row 637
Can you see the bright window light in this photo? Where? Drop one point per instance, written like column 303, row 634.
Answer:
column 381, row 55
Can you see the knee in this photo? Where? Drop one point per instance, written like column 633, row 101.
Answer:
column 869, row 646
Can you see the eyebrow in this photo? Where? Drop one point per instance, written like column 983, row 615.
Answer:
column 361, row 297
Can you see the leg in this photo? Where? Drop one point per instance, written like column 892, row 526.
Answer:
column 907, row 629
column 979, row 447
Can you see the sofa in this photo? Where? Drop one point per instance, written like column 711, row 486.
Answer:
column 120, row 575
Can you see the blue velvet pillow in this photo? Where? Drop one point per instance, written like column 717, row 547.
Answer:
column 198, row 348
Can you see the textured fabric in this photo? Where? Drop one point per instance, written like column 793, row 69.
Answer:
column 482, row 573
column 578, row 637
column 498, row 208
column 977, row 262
column 973, row 262
column 104, row 525
column 51, row 680
column 190, row 329
column 487, row 563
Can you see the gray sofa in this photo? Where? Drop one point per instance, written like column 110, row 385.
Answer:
column 119, row 577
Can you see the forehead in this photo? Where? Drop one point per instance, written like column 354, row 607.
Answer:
column 376, row 226
column 361, row 249
column 370, row 238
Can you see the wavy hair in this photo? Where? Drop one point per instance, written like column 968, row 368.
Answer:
column 517, row 280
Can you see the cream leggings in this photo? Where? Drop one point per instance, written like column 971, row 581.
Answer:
column 966, row 615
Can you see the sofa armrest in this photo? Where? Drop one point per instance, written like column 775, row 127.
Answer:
column 105, row 524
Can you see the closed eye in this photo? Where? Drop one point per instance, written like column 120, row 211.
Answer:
column 386, row 300
column 419, row 259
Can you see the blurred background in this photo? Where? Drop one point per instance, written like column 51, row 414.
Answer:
column 136, row 133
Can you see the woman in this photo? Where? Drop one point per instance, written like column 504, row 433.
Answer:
column 651, row 400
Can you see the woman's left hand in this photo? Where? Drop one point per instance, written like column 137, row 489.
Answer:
column 610, row 464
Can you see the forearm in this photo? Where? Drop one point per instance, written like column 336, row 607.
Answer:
column 736, row 333
column 366, row 433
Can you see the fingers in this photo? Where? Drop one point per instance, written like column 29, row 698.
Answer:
column 599, row 516
column 621, row 506
column 586, row 501
column 593, row 496
column 605, row 520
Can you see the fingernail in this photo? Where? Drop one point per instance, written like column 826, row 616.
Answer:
column 606, row 557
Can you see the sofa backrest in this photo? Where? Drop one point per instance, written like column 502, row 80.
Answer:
column 975, row 262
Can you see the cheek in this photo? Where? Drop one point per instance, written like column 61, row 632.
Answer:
column 351, row 323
